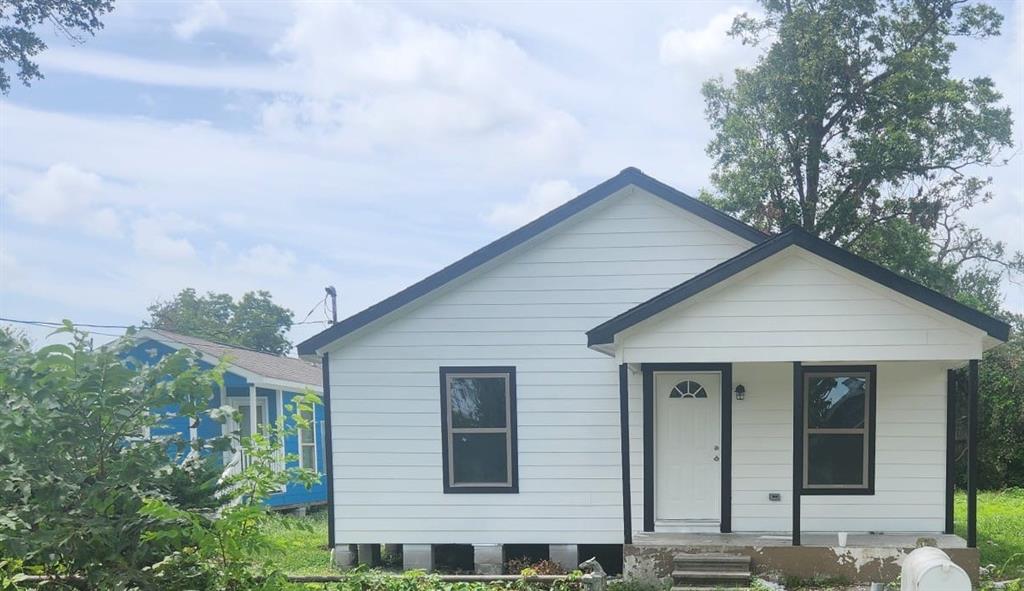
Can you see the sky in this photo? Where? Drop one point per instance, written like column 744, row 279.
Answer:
column 241, row 145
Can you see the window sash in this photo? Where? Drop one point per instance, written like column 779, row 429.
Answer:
column 453, row 431
column 863, row 432
column 305, row 445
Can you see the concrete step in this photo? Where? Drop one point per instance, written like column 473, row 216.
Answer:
column 710, row 578
column 712, row 562
column 709, row 588
column 711, row 571
column 683, row 557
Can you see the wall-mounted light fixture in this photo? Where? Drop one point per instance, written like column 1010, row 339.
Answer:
column 740, row 391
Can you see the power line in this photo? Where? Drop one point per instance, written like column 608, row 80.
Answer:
column 47, row 323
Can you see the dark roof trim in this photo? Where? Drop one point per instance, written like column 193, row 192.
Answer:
column 795, row 236
column 629, row 176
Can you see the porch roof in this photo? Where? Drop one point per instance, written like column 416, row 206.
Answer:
column 810, row 300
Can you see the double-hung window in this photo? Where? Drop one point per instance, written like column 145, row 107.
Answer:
column 839, row 425
column 307, row 441
column 478, row 425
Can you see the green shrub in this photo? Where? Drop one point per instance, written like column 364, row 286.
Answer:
column 361, row 579
column 87, row 496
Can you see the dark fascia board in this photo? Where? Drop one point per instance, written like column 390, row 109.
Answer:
column 629, row 176
column 795, row 236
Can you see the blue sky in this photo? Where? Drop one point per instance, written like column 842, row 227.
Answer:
column 232, row 146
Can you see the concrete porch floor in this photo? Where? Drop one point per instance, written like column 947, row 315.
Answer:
column 865, row 558
column 821, row 540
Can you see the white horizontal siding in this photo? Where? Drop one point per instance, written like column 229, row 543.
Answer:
column 799, row 306
column 530, row 310
column 910, row 456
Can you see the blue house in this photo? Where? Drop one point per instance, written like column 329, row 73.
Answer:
column 252, row 380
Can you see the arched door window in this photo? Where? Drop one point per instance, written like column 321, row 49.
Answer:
column 688, row 389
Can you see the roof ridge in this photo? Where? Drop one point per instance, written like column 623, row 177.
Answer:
column 222, row 344
column 795, row 235
column 628, row 176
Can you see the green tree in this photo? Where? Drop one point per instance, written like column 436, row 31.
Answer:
column 19, row 43
column 75, row 464
column 254, row 321
column 851, row 126
column 91, row 499
column 1001, row 436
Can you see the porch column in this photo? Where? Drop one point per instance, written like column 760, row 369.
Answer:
column 798, row 446
column 627, row 510
column 252, row 410
column 951, row 383
column 972, row 454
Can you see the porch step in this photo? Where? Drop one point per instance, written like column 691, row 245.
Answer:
column 711, row 571
column 712, row 562
column 719, row 588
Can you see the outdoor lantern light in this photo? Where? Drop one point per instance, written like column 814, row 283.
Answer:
column 741, row 392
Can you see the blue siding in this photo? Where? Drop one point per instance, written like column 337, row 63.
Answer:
column 236, row 386
column 295, row 493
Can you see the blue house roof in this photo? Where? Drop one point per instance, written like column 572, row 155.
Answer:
column 273, row 369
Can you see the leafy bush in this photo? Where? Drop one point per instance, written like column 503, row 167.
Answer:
column 621, row 585
column 90, row 498
column 1001, row 420
column 361, row 579
column 541, row 567
column 75, row 464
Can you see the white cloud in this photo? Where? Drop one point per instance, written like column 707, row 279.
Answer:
column 372, row 77
column 263, row 77
column 151, row 237
column 542, row 198
column 200, row 17
column 62, row 191
column 67, row 195
column 266, row 260
column 706, row 48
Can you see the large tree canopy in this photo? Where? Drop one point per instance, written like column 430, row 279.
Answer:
column 19, row 43
column 254, row 321
column 851, row 125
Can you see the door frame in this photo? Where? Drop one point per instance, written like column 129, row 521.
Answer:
column 234, row 458
column 648, row 370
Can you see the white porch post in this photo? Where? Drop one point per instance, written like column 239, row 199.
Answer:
column 252, row 410
column 279, row 394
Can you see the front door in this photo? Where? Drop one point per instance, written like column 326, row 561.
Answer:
column 239, row 460
column 687, row 450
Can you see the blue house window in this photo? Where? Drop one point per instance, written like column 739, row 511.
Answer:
column 307, row 442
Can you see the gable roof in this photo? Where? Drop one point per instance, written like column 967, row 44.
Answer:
column 629, row 176
column 274, row 367
column 795, row 236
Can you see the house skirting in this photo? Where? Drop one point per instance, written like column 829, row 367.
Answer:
column 652, row 562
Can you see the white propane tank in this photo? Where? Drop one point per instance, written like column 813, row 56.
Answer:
column 930, row 569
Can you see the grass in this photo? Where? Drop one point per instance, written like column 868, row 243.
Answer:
column 1000, row 530
column 300, row 544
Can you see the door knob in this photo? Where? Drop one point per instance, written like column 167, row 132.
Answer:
column 716, row 458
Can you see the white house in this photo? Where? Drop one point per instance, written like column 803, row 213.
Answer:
column 637, row 368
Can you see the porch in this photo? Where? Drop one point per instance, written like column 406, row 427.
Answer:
column 866, row 558
column 796, row 389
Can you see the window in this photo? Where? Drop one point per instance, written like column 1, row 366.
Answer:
column 478, row 424
column 688, row 389
column 839, row 424
column 307, row 441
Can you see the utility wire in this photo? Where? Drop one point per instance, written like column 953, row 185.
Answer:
column 125, row 326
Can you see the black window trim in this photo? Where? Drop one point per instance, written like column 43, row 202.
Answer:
column 449, row 488
column 872, row 372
